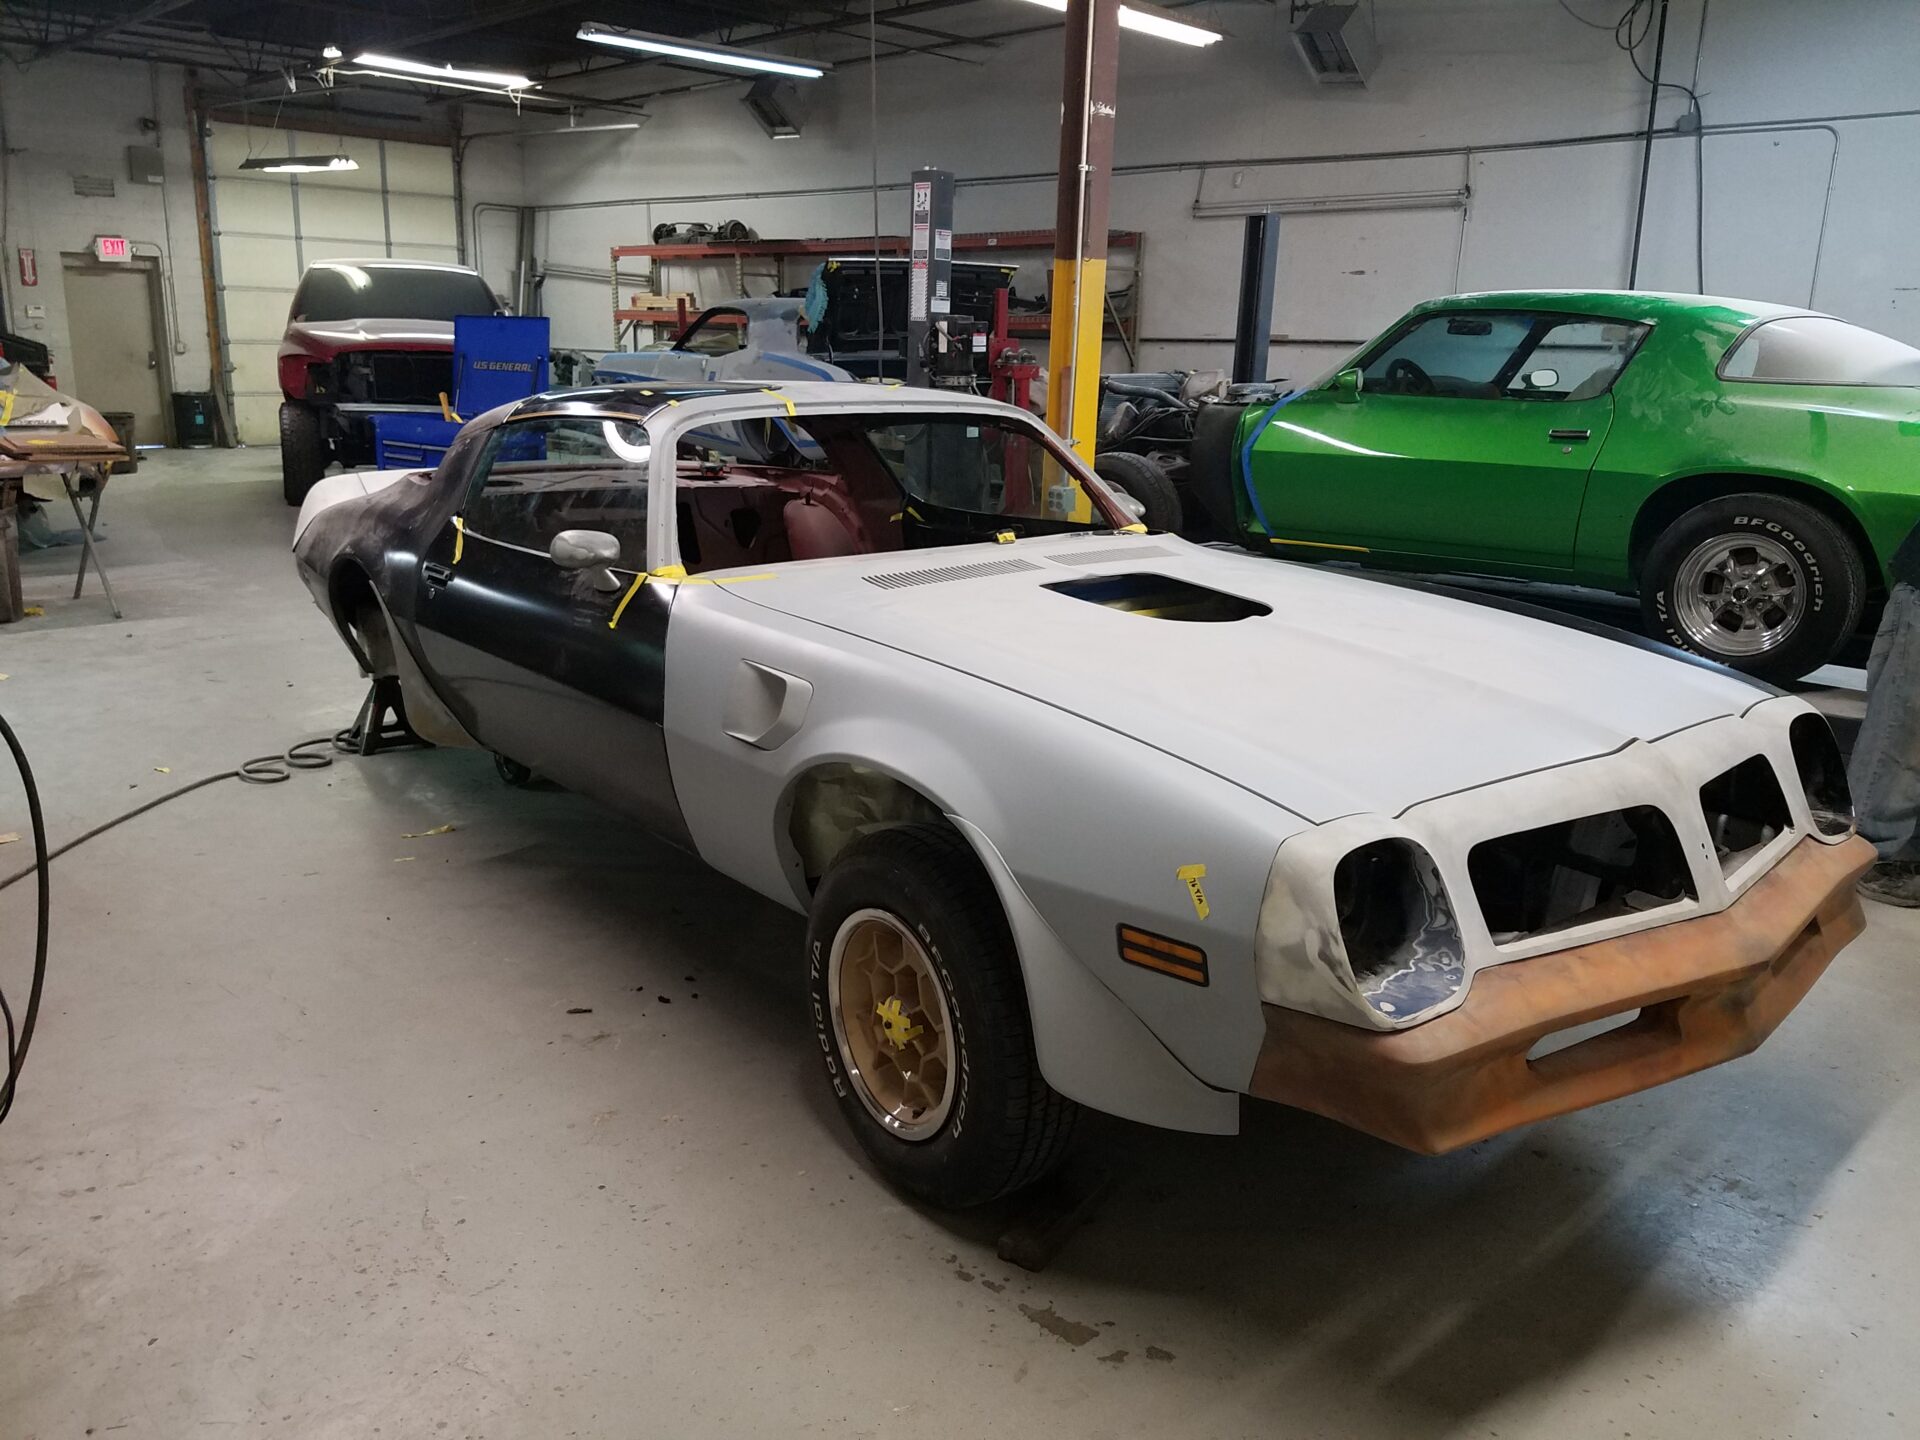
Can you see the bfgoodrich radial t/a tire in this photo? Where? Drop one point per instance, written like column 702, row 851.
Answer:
column 921, row 1018
column 1764, row 584
column 303, row 450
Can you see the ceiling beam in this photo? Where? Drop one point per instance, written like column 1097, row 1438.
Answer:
column 107, row 28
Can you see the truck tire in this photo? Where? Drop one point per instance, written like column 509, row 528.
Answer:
column 304, row 452
column 1761, row 583
column 1213, row 473
column 1145, row 482
column 920, row 1013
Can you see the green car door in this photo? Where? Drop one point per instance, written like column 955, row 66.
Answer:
column 1461, row 436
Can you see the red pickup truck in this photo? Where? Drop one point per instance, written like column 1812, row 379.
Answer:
column 365, row 335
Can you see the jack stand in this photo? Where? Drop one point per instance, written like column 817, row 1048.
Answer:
column 382, row 721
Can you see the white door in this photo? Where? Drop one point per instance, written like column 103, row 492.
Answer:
column 268, row 227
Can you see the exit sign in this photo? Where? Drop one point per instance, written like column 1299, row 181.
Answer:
column 112, row 247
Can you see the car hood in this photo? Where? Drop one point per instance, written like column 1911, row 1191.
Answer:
column 327, row 338
column 1352, row 695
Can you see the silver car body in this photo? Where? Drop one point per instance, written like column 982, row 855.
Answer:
column 1197, row 780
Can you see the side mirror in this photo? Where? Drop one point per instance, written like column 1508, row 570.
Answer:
column 587, row 550
column 1346, row 386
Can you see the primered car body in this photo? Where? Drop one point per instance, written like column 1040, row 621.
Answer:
column 1255, row 828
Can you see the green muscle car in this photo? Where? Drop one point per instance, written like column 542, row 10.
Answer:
column 1745, row 469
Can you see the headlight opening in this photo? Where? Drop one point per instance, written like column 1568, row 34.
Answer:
column 1397, row 923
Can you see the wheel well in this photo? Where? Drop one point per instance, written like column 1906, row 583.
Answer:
column 360, row 620
column 1674, row 499
column 832, row 804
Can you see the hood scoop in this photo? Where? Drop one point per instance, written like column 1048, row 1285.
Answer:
column 940, row 574
column 1160, row 597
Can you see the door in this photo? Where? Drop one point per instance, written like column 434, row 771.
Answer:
column 268, row 226
column 530, row 654
column 117, row 358
column 1468, row 440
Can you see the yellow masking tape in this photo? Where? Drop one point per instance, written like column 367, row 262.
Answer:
column 1192, row 875
column 6, row 411
column 1319, row 545
column 447, row 412
column 620, row 609
column 1134, row 529
column 459, row 538
column 782, row 399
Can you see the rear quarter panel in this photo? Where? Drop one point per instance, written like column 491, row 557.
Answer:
column 1675, row 419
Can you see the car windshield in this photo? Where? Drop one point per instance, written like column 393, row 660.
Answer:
column 964, row 476
column 1819, row 350
column 338, row 290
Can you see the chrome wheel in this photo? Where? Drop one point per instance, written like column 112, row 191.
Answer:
column 1739, row 595
column 891, row 1024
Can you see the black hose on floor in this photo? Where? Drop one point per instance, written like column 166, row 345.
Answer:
column 261, row 770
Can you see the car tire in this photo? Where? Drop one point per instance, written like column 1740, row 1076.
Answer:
column 1213, row 473
column 1145, row 482
column 1704, row 587
column 304, row 453
column 908, row 909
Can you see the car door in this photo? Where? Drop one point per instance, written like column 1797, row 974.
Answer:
column 528, row 652
column 1467, row 440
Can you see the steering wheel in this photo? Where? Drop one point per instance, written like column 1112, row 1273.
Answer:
column 1407, row 378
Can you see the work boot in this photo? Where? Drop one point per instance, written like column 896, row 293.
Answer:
column 1893, row 882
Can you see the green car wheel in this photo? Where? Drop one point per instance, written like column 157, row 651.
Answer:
column 1764, row 584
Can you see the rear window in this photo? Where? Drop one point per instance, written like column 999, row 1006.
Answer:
column 1819, row 350
column 340, row 291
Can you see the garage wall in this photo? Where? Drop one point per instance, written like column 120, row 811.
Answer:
column 67, row 122
column 269, row 227
column 1501, row 97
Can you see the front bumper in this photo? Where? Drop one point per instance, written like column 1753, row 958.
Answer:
column 1708, row 990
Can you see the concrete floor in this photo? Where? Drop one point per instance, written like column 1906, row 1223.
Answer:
column 313, row 1142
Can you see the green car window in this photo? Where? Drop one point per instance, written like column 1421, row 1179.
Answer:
column 1574, row 359
column 1819, row 350
column 1503, row 354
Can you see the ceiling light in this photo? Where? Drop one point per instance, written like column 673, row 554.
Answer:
column 441, row 74
column 702, row 54
column 300, row 164
column 1151, row 20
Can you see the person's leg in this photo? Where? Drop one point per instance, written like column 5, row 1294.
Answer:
column 1885, row 771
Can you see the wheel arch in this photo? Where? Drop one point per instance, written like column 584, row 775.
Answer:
column 1677, row 496
column 1090, row 1046
column 349, row 591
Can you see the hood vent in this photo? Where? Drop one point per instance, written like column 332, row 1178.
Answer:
column 900, row 579
column 1094, row 554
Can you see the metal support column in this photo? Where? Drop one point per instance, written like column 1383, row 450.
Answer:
column 1088, row 107
column 930, row 280
column 1253, row 315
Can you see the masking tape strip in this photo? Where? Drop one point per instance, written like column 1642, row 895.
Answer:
column 6, row 411
column 620, row 609
column 1319, row 545
column 459, row 538
column 1191, row 876
column 447, row 412
column 1134, row 529
column 782, row 399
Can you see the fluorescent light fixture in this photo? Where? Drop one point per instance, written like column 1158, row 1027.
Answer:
column 300, row 164
column 1151, row 20
column 448, row 75
column 702, row 54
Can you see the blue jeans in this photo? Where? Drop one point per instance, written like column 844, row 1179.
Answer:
column 1884, row 773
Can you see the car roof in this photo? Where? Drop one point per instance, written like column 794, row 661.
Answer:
column 642, row 398
column 387, row 262
column 1645, row 305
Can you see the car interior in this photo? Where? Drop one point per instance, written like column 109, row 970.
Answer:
column 806, row 488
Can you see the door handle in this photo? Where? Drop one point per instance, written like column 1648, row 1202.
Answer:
column 437, row 576
column 766, row 707
column 1569, row 434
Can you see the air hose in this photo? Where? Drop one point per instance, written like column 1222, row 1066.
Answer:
column 261, row 770
column 1245, row 465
